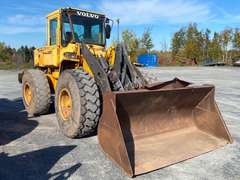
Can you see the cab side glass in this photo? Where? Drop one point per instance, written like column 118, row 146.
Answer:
column 53, row 32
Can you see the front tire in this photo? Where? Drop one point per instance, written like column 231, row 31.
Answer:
column 36, row 92
column 77, row 103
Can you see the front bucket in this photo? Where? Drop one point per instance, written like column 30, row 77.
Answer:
column 146, row 130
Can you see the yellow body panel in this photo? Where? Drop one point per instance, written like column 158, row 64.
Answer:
column 110, row 55
column 47, row 56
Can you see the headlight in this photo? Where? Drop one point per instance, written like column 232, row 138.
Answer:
column 70, row 55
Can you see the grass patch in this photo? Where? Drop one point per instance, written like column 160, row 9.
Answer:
column 12, row 66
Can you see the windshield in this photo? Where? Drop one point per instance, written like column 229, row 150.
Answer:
column 87, row 30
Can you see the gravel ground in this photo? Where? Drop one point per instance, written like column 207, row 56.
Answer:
column 35, row 148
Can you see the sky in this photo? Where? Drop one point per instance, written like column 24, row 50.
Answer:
column 22, row 22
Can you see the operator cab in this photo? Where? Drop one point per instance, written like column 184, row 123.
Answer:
column 82, row 26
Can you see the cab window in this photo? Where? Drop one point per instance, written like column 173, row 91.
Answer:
column 53, row 32
column 87, row 30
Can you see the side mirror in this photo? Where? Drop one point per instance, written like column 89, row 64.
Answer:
column 108, row 31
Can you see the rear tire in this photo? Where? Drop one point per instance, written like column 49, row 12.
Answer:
column 36, row 92
column 77, row 103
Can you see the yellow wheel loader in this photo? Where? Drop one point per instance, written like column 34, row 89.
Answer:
column 141, row 127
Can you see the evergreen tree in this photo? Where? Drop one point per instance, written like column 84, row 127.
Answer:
column 193, row 43
column 236, row 39
column 215, row 49
column 178, row 41
column 226, row 38
column 206, row 43
column 5, row 53
column 130, row 39
column 146, row 40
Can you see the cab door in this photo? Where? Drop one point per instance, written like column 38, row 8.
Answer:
column 52, row 50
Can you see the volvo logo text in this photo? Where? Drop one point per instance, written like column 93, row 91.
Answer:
column 87, row 14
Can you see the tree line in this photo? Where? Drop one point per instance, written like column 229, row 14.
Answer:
column 13, row 56
column 190, row 42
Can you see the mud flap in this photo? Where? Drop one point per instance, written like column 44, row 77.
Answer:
column 20, row 76
column 145, row 130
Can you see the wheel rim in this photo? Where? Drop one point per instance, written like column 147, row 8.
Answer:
column 27, row 93
column 65, row 104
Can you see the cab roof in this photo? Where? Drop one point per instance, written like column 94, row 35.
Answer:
column 58, row 11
